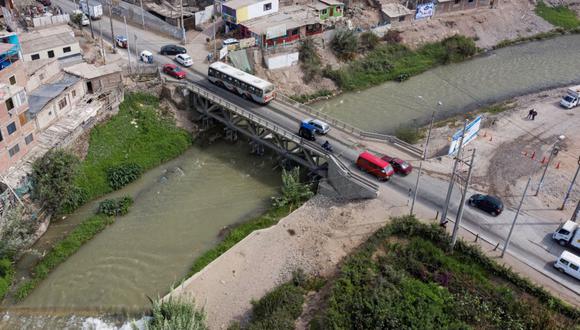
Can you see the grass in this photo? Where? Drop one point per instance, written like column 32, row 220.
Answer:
column 138, row 134
column 409, row 134
column 238, row 233
column 560, row 16
column 405, row 276
column 175, row 314
column 63, row 250
column 494, row 109
column 397, row 62
column 305, row 98
column 6, row 276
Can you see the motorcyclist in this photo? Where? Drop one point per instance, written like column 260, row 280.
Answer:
column 327, row 146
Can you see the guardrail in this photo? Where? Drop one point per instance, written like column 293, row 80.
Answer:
column 354, row 176
column 349, row 128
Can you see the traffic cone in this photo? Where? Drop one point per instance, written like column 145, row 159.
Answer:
column 543, row 160
column 533, row 155
column 558, row 166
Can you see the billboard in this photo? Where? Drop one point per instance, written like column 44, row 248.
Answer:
column 425, row 10
column 470, row 133
column 223, row 52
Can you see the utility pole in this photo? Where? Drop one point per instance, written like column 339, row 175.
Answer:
column 128, row 45
column 90, row 21
column 507, row 242
column 142, row 14
column 137, row 65
column 571, row 186
column 421, row 163
column 576, row 213
column 462, row 203
column 112, row 32
column 182, row 25
column 102, row 46
column 451, row 181
column 214, row 45
column 553, row 152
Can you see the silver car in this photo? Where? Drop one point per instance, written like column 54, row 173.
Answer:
column 321, row 127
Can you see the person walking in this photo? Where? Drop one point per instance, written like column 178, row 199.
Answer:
column 530, row 114
column 534, row 114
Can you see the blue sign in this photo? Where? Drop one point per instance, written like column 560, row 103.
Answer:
column 471, row 131
column 425, row 10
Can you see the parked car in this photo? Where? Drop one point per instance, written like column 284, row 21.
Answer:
column 320, row 126
column 568, row 233
column 174, row 71
column 184, row 59
column 172, row 50
column 400, row 166
column 146, row 56
column 374, row 165
column 230, row 41
column 83, row 19
column 568, row 263
column 487, row 203
column 121, row 41
column 307, row 131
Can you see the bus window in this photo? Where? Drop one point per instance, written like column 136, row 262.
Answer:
column 211, row 72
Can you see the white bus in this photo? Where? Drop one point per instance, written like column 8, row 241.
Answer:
column 243, row 83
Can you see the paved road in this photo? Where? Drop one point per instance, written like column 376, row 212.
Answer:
column 531, row 242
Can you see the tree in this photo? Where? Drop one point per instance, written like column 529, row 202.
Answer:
column 293, row 191
column 16, row 230
column 369, row 40
column 344, row 44
column 53, row 179
column 311, row 63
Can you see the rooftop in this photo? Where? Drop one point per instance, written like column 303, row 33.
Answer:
column 42, row 39
column 332, row 2
column 166, row 10
column 39, row 97
column 394, row 10
column 318, row 5
column 32, row 67
column 287, row 18
column 89, row 71
column 237, row 4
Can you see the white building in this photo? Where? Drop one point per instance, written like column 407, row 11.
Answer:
column 235, row 12
column 55, row 42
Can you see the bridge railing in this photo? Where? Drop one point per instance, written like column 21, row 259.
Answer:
column 350, row 128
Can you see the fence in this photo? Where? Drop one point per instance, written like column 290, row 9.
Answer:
column 50, row 20
column 135, row 15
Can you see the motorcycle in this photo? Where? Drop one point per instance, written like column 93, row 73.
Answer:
column 326, row 146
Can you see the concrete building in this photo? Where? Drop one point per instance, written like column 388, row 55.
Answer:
column 287, row 26
column 395, row 14
column 16, row 128
column 235, row 12
column 100, row 79
column 55, row 42
column 326, row 9
column 446, row 6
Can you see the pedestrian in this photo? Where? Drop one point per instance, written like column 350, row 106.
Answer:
column 530, row 113
column 534, row 114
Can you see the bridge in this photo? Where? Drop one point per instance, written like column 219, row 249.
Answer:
column 274, row 126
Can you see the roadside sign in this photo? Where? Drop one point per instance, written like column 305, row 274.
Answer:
column 471, row 131
column 223, row 52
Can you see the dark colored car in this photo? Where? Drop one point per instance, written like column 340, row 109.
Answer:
column 174, row 71
column 400, row 166
column 172, row 50
column 307, row 131
column 487, row 203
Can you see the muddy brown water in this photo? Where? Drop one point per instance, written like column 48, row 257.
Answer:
column 494, row 76
column 180, row 207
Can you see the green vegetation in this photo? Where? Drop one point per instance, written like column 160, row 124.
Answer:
column 397, row 62
column 305, row 98
column 561, row 16
column 311, row 63
column 62, row 250
column 115, row 207
column 173, row 314
column 6, row 276
column 344, row 44
column 53, row 179
column 497, row 108
column 409, row 134
column 406, row 277
column 369, row 40
column 294, row 192
column 135, row 140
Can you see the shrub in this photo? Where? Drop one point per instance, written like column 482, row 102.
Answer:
column 6, row 276
column 311, row 63
column 120, row 175
column 559, row 16
column 293, row 191
column 459, row 48
column 368, row 40
column 53, row 178
column 408, row 134
column 278, row 308
column 175, row 314
column 16, row 231
column 344, row 44
column 393, row 37
column 115, row 207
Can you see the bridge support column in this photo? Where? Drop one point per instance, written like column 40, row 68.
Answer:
column 256, row 148
column 206, row 123
column 231, row 134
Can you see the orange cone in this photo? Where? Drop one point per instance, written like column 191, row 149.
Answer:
column 558, row 165
column 533, row 155
column 543, row 159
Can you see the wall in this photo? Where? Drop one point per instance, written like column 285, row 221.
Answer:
column 51, row 110
column 347, row 184
column 451, row 6
column 257, row 10
column 204, row 15
column 282, row 61
column 50, row 20
column 58, row 52
column 42, row 75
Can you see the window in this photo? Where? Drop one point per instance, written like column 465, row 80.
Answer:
column 324, row 11
column 564, row 232
column 74, row 93
column 23, row 117
column 401, row 19
column 29, row 139
column 14, row 150
column 66, row 50
column 11, row 128
column 50, row 53
column 469, row 0
column 62, row 103
column 9, row 104
column 564, row 262
column 267, row 6
column 295, row 31
column 574, row 267
column 12, row 80
column 35, row 57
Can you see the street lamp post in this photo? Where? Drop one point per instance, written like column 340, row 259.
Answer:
column 553, row 151
column 571, row 186
column 443, row 219
column 507, row 241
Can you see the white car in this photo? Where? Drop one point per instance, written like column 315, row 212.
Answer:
column 184, row 60
column 230, row 41
column 320, row 126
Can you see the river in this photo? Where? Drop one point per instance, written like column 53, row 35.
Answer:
column 180, row 207
column 494, row 76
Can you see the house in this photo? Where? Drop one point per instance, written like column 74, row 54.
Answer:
column 235, row 12
column 287, row 26
column 446, row 6
column 16, row 129
column 98, row 79
column 326, row 9
column 56, row 42
column 395, row 14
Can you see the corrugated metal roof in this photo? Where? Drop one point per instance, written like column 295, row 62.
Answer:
column 39, row 97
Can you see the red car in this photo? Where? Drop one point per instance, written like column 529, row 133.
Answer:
column 374, row 165
column 400, row 166
column 174, row 71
